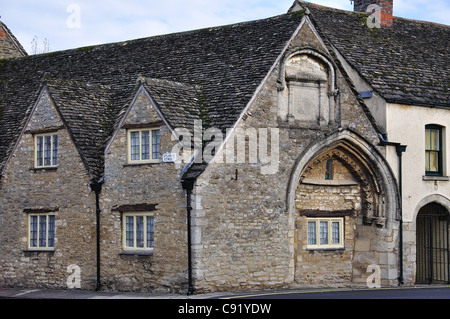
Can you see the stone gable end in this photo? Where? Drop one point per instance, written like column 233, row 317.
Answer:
column 63, row 191
column 251, row 240
column 146, row 188
column 142, row 111
column 9, row 46
column 44, row 116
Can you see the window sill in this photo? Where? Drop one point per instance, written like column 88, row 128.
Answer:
column 30, row 251
column 435, row 178
column 141, row 164
column 136, row 253
column 53, row 168
column 325, row 249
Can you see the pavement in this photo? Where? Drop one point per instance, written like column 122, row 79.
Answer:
column 422, row 292
column 67, row 294
column 21, row 293
column 30, row 293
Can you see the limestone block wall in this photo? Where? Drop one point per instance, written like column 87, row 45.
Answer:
column 154, row 184
column 8, row 49
column 64, row 191
column 244, row 226
column 314, row 193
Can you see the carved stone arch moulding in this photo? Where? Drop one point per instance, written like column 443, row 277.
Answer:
column 372, row 161
column 307, row 88
column 372, row 196
column 308, row 52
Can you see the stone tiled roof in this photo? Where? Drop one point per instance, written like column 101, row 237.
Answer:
column 407, row 63
column 87, row 111
column 221, row 66
column 212, row 74
column 180, row 104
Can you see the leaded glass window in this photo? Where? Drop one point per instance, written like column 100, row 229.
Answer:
column 46, row 150
column 41, row 231
column 325, row 233
column 144, row 145
column 139, row 231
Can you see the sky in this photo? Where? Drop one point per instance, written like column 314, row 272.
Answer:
column 66, row 24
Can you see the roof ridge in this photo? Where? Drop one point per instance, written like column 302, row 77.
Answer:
column 306, row 3
column 215, row 71
column 394, row 61
column 159, row 36
column 423, row 21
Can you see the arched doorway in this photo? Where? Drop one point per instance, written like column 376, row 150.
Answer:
column 432, row 240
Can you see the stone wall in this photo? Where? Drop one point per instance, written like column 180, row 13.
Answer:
column 8, row 49
column 316, row 195
column 248, row 230
column 64, row 191
column 132, row 185
column 245, row 230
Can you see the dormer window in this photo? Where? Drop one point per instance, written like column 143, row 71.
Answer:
column 46, row 150
column 144, row 146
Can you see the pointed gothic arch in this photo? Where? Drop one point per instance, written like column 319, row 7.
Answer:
column 378, row 207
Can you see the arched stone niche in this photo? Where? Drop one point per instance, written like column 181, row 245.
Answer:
column 307, row 89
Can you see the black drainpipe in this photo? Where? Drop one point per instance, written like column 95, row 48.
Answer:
column 400, row 149
column 97, row 188
column 188, row 185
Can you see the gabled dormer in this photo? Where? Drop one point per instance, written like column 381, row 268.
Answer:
column 150, row 126
column 10, row 47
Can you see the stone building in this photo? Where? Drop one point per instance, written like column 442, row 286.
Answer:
column 250, row 156
column 9, row 46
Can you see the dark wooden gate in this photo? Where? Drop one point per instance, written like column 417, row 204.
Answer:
column 432, row 245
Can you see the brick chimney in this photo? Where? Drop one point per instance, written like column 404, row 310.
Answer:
column 386, row 18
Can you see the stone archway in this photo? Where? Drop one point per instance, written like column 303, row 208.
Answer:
column 432, row 245
column 362, row 197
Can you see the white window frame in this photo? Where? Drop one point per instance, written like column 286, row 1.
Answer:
column 38, row 238
column 52, row 140
column 129, row 146
column 135, row 247
column 439, row 150
column 329, row 244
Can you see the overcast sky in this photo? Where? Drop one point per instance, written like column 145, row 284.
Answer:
column 75, row 23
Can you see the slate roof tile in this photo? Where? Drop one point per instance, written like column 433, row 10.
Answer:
column 212, row 74
column 407, row 63
column 227, row 62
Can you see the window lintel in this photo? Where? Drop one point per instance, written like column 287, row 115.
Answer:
column 151, row 125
